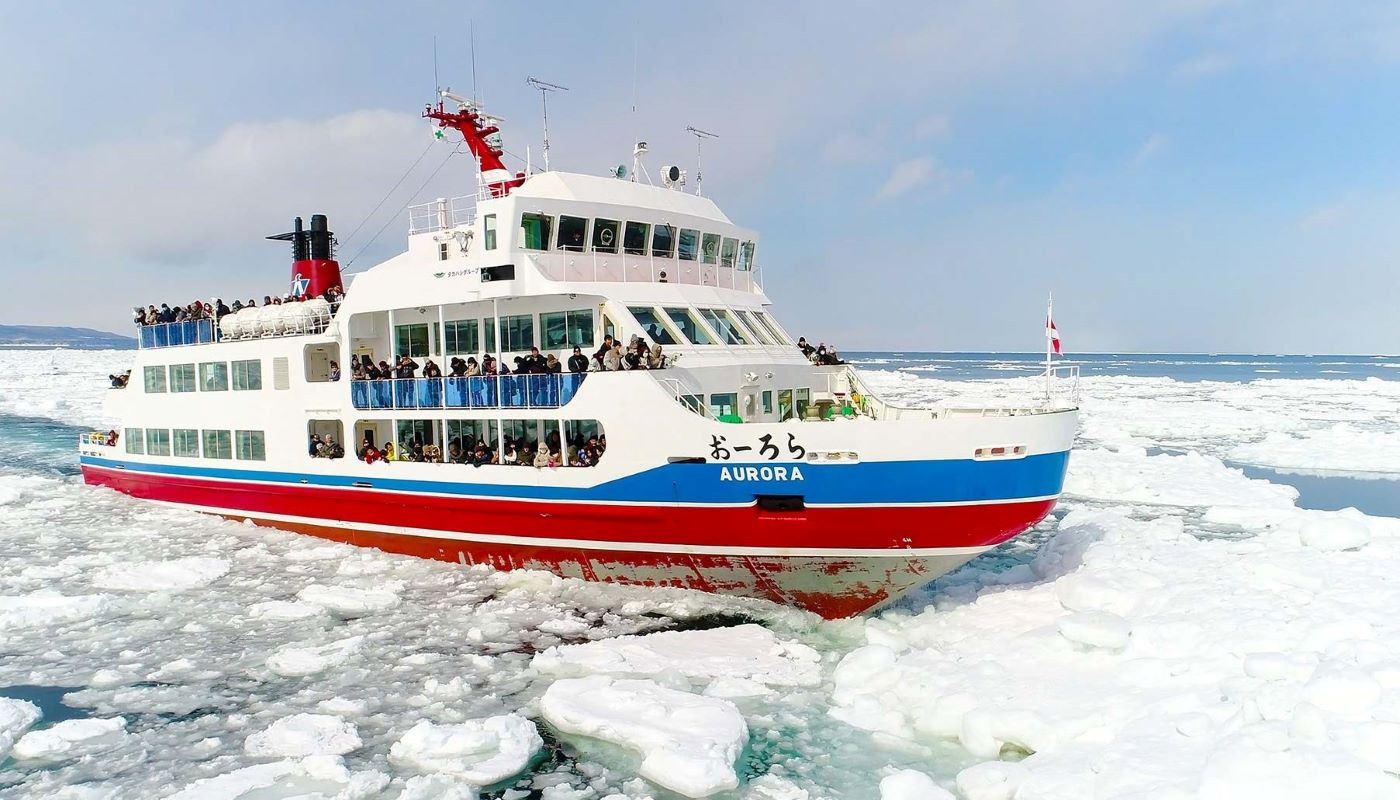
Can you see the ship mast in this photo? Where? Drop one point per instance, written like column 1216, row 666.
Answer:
column 482, row 136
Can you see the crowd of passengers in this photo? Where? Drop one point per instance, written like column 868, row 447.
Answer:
column 199, row 309
column 821, row 355
column 550, row 453
column 612, row 356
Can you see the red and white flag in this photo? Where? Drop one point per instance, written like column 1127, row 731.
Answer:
column 1052, row 335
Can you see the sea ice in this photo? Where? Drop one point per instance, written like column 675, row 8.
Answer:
column 745, row 652
column 178, row 575
column 43, row 608
column 15, row 718
column 297, row 661
column 304, row 735
column 689, row 743
column 71, row 738
column 481, row 751
column 348, row 600
column 910, row 784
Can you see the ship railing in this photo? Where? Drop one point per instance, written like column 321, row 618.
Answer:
column 1061, row 392
column 293, row 319
column 623, row 267
column 442, row 214
column 685, row 394
column 488, row 391
column 178, row 334
column 1062, row 381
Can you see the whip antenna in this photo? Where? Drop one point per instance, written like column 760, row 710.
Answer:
column 545, row 88
column 700, row 136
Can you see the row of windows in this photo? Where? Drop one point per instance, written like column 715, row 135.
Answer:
column 579, row 234
column 791, row 403
column 669, row 326
column 559, row 330
column 185, row 443
column 213, row 376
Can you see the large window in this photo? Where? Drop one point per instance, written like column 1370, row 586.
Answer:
column 785, row 405
column 723, row 404
column 411, row 340
column 218, row 444
column 535, row 230
column 772, row 326
column 155, row 379
column 803, row 400
column 724, row 325
column 518, row 332
column 757, row 329
column 689, row 326
column 689, row 244
column 467, row 432
column 213, row 376
column 182, row 377
column 462, row 336
column 655, row 329
column 247, row 375
column 746, row 257
column 135, row 440
column 727, row 251
column 634, row 238
column 186, row 441
column 663, row 241
column 605, row 235
column 250, row 445
column 157, row 442
column 573, row 234
column 412, row 432
column 710, row 250
column 488, row 231
column 562, row 329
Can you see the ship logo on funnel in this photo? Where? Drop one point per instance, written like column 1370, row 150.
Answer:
column 299, row 285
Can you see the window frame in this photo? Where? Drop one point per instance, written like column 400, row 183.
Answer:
column 511, row 329
column 205, row 373
column 746, row 252
column 158, row 442
column 672, row 340
column 709, row 248
column 488, row 232
column 695, row 322
column 246, row 376
column 786, row 406
column 254, row 442
column 728, row 251
column 428, row 339
column 135, row 441
column 158, row 371
column 183, row 387
column 746, row 317
column 180, row 441
column 522, row 240
column 693, row 235
column 220, row 446
column 724, row 324
column 773, row 327
column 669, row 251
column 601, row 228
column 717, row 409
column 628, row 229
column 583, row 246
column 455, row 330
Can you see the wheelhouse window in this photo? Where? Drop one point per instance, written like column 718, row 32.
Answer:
column 689, row 244
column 247, row 375
column 218, row 444
column 488, row 231
column 154, row 379
column 655, row 329
column 411, row 340
column 182, row 377
column 562, row 329
column 772, row 327
column 663, row 241
column 186, row 442
column 724, row 325
column 605, row 235
column 746, row 257
column 463, row 336
column 250, row 445
column 518, row 332
column 157, row 442
column 634, row 238
column 689, row 326
column 535, row 230
column 135, row 440
column 710, row 248
column 573, row 234
column 755, row 328
column 785, row 405
column 213, row 376
column 723, row 404
column 727, row 252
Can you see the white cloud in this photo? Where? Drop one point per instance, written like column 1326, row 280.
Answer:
column 906, row 176
column 1151, row 147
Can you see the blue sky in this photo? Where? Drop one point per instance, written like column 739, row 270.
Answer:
column 1197, row 175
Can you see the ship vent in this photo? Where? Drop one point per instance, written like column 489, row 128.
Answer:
column 780, row 502
column 281, row 374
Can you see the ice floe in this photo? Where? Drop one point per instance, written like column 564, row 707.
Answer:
column 15, row 718
column 304, row 735
column 177, row 575
column 481, row 752
column 689, row 743
column 71, row 738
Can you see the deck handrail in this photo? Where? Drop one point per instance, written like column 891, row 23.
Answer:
column 479, row 391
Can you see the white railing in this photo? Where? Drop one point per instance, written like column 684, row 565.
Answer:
column 627, row 268
column 1063, row 381
column 683, row 392
column 442, row 214
column 1061, row 392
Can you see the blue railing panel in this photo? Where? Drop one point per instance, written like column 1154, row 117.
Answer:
column 455, row 394
column 429, row 392
column 492, row 391
column 381, row 394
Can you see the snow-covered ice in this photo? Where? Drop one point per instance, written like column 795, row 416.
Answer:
column 177, row 575
column 689, row 743
column 70, row 738
column 304, row 735
column 480, row 751
column 15, row 718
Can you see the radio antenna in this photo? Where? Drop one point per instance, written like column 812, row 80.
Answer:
column 471, row 34
column 700, row 136
column 437, row 84
column 545, row 88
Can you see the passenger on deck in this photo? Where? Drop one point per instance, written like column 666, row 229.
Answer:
column 655, row 359
column 508, row 454
column 112, row 437
column 432, row 454
column 473, row 369
column 314, row 446
column 552, row 365
column 578, row 362
column 387, row 453
column 406, row 366
column 431, row 370
column 480, row 455
column 612, row 360
column 454, row 451
column 534, row 363
column 120, row 381
column 488, row 364
column 357, row 373
column 541, row 458
column 601, row 356
column 385, row 372
column 333, row 448
column 633, row 359
column 457, row 368
column 806, row 349
column 335, row 371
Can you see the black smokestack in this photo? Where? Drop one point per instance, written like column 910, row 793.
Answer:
column 298, row 241
column 320, row 238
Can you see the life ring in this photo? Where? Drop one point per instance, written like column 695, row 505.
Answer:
column 605, row 237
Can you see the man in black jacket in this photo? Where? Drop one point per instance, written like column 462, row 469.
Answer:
column 578, row 362
column 406, row 367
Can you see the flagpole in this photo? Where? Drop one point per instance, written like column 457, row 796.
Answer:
column 1049, row 343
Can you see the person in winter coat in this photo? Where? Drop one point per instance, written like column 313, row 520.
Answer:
column 578, row 362
column 406, row 367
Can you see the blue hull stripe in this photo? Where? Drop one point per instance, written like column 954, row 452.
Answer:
column 865, row 483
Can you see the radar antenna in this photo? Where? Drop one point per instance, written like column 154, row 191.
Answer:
column 700, row 136
column 545, row 88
